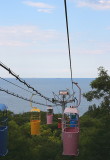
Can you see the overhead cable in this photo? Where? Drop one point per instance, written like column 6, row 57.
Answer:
column 15, row 85
column 18, row 96
column 23, row 81
column 69, row 50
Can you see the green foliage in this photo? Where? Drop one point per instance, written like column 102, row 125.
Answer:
column 100, row 90
column 95, row 122
column 100, row 86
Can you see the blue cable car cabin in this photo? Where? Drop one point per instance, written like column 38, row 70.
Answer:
column 3, row 130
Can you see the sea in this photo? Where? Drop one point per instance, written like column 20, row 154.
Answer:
column 48, row 87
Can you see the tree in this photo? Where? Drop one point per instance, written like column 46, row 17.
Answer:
column 98, row 118
column 100, row 90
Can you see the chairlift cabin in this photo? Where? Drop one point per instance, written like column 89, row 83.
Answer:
column 59, row 122
column 49, row 115
column 3, row 130
column 70, row 132
column 35, row 121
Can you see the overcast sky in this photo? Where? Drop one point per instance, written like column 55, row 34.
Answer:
column 33, row 40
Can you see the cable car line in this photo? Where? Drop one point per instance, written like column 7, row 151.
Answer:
column 56, row 96
column 23, row 81
column 18, row 96
column 59, row 112
column 69, row 50
column 15, row 85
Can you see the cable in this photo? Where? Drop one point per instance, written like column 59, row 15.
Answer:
column 56, row 96
column 59, row 112
column 15, row 85
column 69, row 50
column 18, row 96
column 23, row 81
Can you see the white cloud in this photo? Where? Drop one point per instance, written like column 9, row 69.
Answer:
column 98, row 48
column 94, row 4
column 108, row 28
column 45, row 10
column 13, row 43
column 41, row 7
column 25, row 35
column 91, row 51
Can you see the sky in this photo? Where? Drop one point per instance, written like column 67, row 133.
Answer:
column 33, row 38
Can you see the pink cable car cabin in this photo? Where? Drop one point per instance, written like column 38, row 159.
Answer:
column 59, row 122
column 49, row 115
column 70, row 133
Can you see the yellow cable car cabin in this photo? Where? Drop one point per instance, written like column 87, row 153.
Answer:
column 35, row 121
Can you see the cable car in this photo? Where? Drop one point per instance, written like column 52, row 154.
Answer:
column 70, row 132
column 59, row 122
column 35, row 121
column 3, row 130
column 49, row 115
